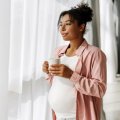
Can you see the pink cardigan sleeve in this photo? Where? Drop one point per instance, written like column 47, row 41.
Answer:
column 96, row 84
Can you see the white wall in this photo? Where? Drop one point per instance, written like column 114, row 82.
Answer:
column 4, row 55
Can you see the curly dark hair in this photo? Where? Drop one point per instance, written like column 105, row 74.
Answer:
column 82, row 13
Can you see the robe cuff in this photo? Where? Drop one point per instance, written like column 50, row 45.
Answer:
column 75, row 77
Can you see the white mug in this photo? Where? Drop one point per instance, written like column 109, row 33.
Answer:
column 54, row 61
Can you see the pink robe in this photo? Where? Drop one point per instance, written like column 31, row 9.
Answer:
column 89, row 79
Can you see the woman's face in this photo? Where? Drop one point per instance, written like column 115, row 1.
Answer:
column 69, row 29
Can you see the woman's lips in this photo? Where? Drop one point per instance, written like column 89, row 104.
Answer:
column 64, row 34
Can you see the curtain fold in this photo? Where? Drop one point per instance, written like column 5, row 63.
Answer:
column 108, row 40
column 117, row 31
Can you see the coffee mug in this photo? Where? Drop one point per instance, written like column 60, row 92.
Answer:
column 54, row 61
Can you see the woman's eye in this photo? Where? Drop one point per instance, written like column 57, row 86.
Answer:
column 60, row 25
column 68, row 23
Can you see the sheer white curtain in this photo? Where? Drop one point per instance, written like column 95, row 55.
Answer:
column 108, row 41
column 33, row 37
column 108, row 45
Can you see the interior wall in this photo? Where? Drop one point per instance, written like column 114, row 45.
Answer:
column 4, row 55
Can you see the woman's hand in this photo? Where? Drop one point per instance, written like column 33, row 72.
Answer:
column 45, row 67
column 60, row 70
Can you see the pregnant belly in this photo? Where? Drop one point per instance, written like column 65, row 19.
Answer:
column 62, row 98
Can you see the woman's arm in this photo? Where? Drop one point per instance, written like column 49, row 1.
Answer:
column 96, row 85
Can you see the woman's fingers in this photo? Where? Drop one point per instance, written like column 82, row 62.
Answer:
column 58, row 73
column 45, row 67
column 60, row 70
column 55, row 69
column 45, row 62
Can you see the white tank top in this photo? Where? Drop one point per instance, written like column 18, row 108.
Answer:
column 62, row 94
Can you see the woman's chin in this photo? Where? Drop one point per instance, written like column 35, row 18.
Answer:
column 65, row 39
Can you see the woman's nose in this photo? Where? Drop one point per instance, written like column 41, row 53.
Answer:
column 63, row 28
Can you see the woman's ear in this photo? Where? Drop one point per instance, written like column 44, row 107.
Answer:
column 82, row 27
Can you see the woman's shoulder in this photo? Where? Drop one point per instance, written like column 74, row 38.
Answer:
column 60, row 49
column 95, row 50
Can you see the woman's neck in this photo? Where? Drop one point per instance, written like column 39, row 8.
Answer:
column 74, row 45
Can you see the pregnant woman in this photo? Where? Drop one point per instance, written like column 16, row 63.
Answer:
column 78, row 83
